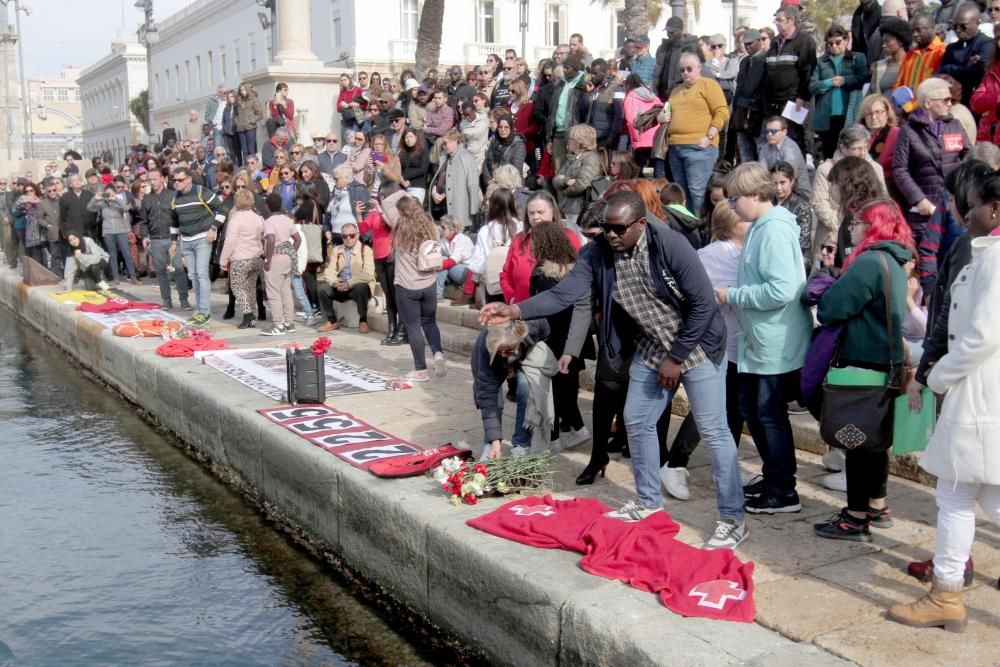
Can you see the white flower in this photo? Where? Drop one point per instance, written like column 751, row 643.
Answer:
column 452, row 464
column 440, row 476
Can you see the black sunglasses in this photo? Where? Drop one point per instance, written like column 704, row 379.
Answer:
column 348, row 236
column 617, row 230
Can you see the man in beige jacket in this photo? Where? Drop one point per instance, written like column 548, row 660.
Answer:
column 349, row 276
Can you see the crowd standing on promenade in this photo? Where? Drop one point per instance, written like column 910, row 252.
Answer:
column 734, row 223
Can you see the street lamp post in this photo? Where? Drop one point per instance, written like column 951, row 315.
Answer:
column 148, row 35
column 29, row 132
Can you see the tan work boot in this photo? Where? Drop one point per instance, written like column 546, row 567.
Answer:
column 938, row 609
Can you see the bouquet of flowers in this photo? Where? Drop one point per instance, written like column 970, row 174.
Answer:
column 467, row 481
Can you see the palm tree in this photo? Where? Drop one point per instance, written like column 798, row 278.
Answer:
column 636, row 16
column 429, row 36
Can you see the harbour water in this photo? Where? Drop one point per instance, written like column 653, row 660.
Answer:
column 117, row 549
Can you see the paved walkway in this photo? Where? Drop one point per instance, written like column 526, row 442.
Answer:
column 831, row 594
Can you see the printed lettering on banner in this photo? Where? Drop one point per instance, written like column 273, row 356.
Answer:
column 339, row 422
column 531, row 510
column 369, row 455
column 953, row 142
column 717, row 592
column 289, row 414
column 338, row 439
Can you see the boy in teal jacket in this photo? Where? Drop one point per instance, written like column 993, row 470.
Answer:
column 775, row 330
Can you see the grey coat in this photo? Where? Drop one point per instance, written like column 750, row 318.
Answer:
column 585, row 168
column 48, row 217
column 462, row 185
column 113, row 212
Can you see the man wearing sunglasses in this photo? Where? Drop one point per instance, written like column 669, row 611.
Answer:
column 790, row 63
column 349, row 276
column 331, row 156
column 657, row 300
column 966, row 59
column 197, row 215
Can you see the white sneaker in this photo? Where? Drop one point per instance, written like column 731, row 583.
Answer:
column 836, row 482
column 675, row 482
column 577, row 438
column 440, row 368
column 748, row 478
column 728, row 534
column 103, row 285
column 633, row 511
column 417, row 376
column 834, row 459
column 520, row 451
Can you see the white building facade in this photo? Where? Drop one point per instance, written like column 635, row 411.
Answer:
column 106, row 88
column 225, row 41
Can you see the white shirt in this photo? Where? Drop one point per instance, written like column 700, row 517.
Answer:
column 217, row 120
column 721, row 260
column 490, row 236
column 459, row 248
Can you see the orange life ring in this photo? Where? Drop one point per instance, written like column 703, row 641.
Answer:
column 146, row 328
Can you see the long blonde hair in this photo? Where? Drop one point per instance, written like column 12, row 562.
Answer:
column 414, row 226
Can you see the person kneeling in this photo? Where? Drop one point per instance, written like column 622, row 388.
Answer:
column 87, row 260
column 514, row 350
column 349, row 276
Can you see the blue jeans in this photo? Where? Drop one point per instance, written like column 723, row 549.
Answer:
column 160, row 251
column 706, row 390
column 299, row 290
column 764, row 405
column 455, row 274
column 522, row 436
column 692, row 168
column 113, row 243
column 198, row 254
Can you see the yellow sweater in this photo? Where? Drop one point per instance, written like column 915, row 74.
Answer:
column 696, row 109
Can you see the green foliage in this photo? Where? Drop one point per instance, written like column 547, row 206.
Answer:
column 823, row 13
column 139, row 106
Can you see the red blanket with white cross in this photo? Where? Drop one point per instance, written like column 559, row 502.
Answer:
column 646, row 554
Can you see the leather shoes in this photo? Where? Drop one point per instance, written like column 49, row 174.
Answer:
column 329, row 326
column 363, row 328
column 463, row 300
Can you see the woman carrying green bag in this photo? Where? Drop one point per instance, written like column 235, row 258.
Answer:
column 882, row 244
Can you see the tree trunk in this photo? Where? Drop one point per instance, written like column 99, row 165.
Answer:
column 429, row 37
column 636, row 15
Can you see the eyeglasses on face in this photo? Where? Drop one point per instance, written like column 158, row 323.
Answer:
column 960, row 26
column 296, row 152
column 348, row 236
column 732, row 200
column 876, row 112
column 617, row 230
column 771, row 131
column 945, row 100
column 687, row 70
column 835, row 42
column 718, row 46
column 173, row 162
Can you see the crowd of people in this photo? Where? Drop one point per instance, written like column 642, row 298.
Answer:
column 683, row 216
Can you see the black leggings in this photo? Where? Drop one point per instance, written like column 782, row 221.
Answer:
column 385, row 274
column 565, row 393
column 867, row 477
column 418, row 310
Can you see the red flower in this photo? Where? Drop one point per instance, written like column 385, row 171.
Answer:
column 471, row 499
column 320, row 346
column 481, row 469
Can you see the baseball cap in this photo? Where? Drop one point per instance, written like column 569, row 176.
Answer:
column 21, row 180
column 424, row 89
column 91, row 172
column 641, row 39
column 751, row 35
column 674, row 23
column 395, row 114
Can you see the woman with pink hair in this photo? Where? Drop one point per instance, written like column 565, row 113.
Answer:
column 883, row 244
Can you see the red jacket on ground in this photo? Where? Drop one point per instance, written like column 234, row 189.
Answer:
column 515, row 278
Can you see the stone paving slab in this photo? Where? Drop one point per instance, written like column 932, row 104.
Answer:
column 819, row 602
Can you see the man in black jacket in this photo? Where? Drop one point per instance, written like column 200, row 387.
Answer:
column 572, row 111
column 74, row 218
column 156, row 220
column 748, row 113
column 656, row 297
column 606, row 99
column 790, row 63
column 667, row 74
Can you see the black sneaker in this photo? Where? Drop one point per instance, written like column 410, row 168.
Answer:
column 769, row 503
column 755, row 488
column 843, row 526
column 881, row 518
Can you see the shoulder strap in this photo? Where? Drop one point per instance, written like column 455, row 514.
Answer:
column 887, row 295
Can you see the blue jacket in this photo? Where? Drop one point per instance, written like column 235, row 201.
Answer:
column 775, row 328
column 954, row 63
column 678, row 277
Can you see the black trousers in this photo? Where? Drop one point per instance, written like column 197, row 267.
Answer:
column 565, row 394
column 867, row 478
column 359, row 294
column 609, row 402
column 829, row 138
column 385, row 274
column 687, row 438
column 93, row 274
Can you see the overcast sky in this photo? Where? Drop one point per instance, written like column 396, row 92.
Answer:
column 79, row 32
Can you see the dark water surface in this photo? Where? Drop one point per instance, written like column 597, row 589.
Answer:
column 117, row 549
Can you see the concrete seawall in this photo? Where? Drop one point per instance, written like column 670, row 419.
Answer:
column 514, row 604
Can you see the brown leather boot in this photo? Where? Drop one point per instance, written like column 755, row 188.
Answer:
column 329, row 326
column 938, row 609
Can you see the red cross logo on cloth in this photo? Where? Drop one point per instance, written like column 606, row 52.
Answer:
column 530, row 510
column 715, row 593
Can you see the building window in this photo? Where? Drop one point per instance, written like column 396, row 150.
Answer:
column 211, row 66
column 252, row 48
column 157, row 91
column 553, row 24
column 408, row 16
column 48, row 95
column 177, row 82
column 197, row 72
column 188, row 81
column 335, row 22
column 620, row 28
column 222, row 61
column 236, row 56
column 62, row 94
column 485, row 14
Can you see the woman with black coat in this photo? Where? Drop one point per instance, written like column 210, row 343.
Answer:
column 414, row 163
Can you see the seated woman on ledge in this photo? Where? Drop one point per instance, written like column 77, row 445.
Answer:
column 87, row 260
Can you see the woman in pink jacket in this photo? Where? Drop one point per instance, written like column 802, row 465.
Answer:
column 638, row 100
column 515, row 278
